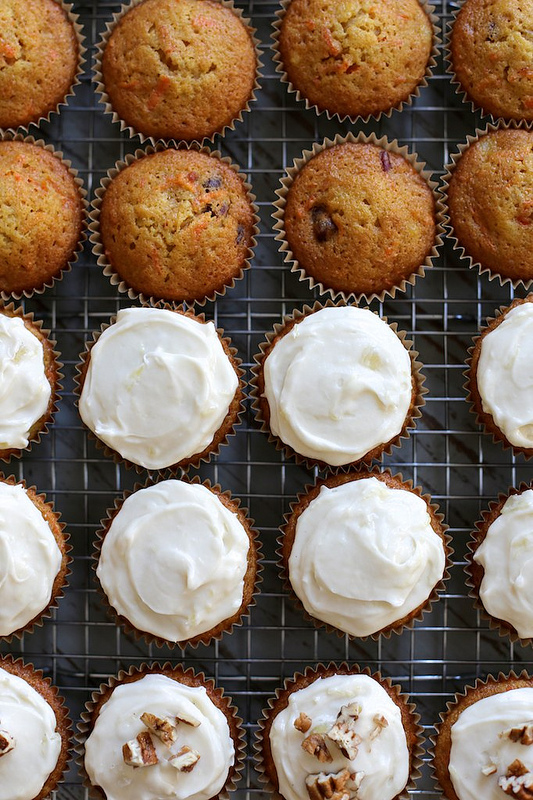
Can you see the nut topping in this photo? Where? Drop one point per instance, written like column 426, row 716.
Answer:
column 185, row 759
column 489, row 769
column 329, row 785
column 524, row 735
column 343, row 731
column 140, row 752
column 162, row 728
column 517, row 782
column 380, row 722
column 7, row 743
column 315, row 744
column 302, row 723
column 188, row 720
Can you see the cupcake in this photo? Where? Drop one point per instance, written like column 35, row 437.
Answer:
column 483, row 745
column 33, row 558
column 324, row 374
column 178, row 69
column 193, row 578
column 490, row 206
column 175, row 224
column 491, row 53
column 336, row 732
column 41, row 217
column 364, row 552
column 29, row 381
column 34, row 738
column 357, row 218
column 161, row 731
column 499, row 567
column 499, row 376
column 40, row 54
column 174, row 359
column 355, row 60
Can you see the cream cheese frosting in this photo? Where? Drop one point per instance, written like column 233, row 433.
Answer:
column 24, row 388
column 338, row 384
column 30, row 721
column 364, row 555
column 30, row 559
column 506, row 555
column 119, row 722
column 505, row 375
column 174, row 559
column 158, row 386
column 383, row 758
column 478, row 744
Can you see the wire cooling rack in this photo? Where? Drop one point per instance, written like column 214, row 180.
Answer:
column 447, row 455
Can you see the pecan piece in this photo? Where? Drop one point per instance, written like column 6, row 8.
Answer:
column 315, row 744
column 302, row 723
column 162, row 728
column 341, row 785
column 185, row 759
column 7, row 743
column 518, row 781
column 380, row 722
column 323, row 225
column 343, row 731
column 524, row 734
column 140, row 752
column 187, row 719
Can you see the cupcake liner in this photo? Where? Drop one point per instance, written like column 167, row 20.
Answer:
column 94, row 225
column 61, row 583
column 187, row 676
column 8, row 136
column 300, row 680
column 440, row 750
column 195, row 460
column 357, row 118
column 279, row 216
column 51, row 694
column 78, row 30
column 130, row 130
column 254, row 568
column 262, row 413
column 12, row 311
column 285, row 546
column 443, row 189
column 484, row 420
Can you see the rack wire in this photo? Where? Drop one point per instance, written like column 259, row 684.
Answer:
column 447, row 455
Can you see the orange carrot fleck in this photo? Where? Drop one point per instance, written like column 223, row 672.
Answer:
column 160, row 88
column 528, row 101
column 334, row 47
column 310, row 24
column 201, row 21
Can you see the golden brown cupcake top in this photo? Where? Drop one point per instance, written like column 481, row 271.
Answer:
column 492, row 56
column 180, row 69
column 39, row 54
column 359, row 218
column 177, row 224
column 355, row 57
column 490, row 202
column 41, row 216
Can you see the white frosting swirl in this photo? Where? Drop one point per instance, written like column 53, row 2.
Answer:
column 506, row 555
column 505, row 375
column 364, row 555
column 29, row 559
column 24, row 388
column 31, row 722
column 119, row 722
column 158, row 386
column 338, row 384
column 188, row 574
column 476, row 743
column 384, row 759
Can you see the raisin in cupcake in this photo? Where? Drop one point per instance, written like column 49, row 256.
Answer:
column 358, row 218
column 500, row 376
column 354, row 60
column 178, row 69
column 35, row 734
column 42, row 216
column 338, row 732
column 174, row 224
column 40, row 59
column 490, row 209
column 490, row 53
column 364, row 553
column 483, row 747
column 161, row 731
column 193, row 578
column 324, row 373
column 173, row 356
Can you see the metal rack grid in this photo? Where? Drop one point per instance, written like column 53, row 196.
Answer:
column 447, row 455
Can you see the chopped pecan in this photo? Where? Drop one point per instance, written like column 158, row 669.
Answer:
column 140, row 752
column 7, row 743
column 302, row 723
column 343, row 731
column 185, row 759
column 380, row 722
column 518, row 781
column 489, row 769
column 187, row 719
column 524, row 734
column 315, row 744
column 328, row 785
column 162, row 728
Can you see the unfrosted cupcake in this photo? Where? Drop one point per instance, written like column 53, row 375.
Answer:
column 161, row 731
column 194, row 577
column 483, row 748
column 171, row 358
column 324, row 374
column 34, row 735
column 500, row 378
column 364, row 552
